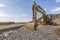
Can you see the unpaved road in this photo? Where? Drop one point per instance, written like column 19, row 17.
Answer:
column 44, row 32
column 11, row 27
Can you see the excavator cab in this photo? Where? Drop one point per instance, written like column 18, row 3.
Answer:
column 49, row 19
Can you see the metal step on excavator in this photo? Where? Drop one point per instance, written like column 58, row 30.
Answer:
column 45, row 19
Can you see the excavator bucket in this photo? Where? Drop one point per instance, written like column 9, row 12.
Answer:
column 32, row 26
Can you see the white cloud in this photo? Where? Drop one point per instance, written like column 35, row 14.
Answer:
column 45, row 9
column 57, row 0
column 56, row 9
column 17, row 18
column 24, row 15
column 2, row 5
column 3, row 15
column 21, row 15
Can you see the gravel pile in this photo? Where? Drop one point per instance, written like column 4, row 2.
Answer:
column 42, row 33
column 1, row 37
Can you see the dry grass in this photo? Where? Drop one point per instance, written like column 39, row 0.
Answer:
column 6, row 23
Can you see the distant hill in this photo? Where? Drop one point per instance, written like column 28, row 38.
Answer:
column 6, row 23
column 55, row 16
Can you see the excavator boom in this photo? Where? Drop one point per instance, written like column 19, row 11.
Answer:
column 38, row 9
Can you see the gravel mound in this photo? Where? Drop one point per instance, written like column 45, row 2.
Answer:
column 42, row 33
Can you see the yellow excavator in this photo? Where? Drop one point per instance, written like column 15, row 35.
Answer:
column 45, row 19
column 36, row 9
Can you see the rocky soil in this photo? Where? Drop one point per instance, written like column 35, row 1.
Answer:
column 44, row 32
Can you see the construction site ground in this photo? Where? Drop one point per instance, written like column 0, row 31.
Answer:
column 44, row 32
column 20, row 32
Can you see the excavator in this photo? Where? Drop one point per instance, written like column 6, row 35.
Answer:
column 45, row 19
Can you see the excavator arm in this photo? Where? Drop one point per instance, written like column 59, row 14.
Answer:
column 34, row 12
column 39, row 9
column 36, row 9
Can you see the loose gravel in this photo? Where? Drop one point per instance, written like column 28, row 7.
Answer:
column 43, row 33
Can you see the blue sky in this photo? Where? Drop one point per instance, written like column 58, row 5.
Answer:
column 21, row 10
